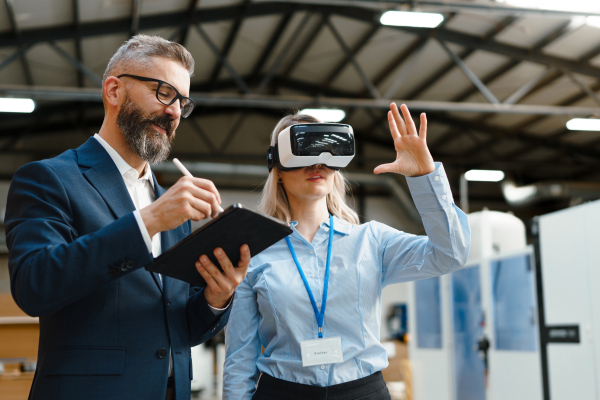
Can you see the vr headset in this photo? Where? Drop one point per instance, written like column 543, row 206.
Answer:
column 304, row 145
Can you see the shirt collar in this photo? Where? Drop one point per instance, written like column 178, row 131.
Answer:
column 339, row 225
column 121, row 164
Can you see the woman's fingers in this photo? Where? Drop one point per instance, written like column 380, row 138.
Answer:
column 393, row 127
column 423, row 127
column 398, row 119
column 411, row 129
column 390, row 167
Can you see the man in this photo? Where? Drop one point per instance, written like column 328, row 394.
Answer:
column 82, row 226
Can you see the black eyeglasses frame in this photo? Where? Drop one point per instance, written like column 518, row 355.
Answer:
column 179, row 96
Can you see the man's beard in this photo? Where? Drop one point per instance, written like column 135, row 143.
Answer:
column 149, row 144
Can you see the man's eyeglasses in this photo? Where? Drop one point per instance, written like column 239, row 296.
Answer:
column 167, row 94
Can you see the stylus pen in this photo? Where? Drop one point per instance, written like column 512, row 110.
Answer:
column 184, row 171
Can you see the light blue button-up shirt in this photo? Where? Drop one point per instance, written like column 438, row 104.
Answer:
column 272, row 308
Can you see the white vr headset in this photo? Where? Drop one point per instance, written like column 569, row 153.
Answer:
column 304, row 145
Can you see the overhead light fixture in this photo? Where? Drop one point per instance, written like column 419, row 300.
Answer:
column 16, row 105
column 483, row 175
column 412, row 19
column 593, row 21
column 325, row 114
column 584, row 124
column 583, row 6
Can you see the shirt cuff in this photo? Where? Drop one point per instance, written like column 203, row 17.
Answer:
column 219, row 311
column 431, row 191
column 143, row 229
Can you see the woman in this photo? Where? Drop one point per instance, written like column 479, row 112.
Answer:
column 273, row 307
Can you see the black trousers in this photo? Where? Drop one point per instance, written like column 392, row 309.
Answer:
column 369, row 388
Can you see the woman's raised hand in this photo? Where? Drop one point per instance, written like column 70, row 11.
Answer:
column 412, row 155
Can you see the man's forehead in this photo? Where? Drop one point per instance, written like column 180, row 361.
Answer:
column 172, row 72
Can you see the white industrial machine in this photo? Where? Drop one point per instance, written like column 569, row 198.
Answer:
column 569, row 245
column 474, row 333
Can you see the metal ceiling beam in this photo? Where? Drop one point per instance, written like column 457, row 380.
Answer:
column 282, row 54
column 405, row 71
column 453, row 6
column 78, row 50
column 305, row 46
column 77, row 65
column 362, row 42
column 189, row 21
column 17, row 54
column 270, row 8
column 10, row 9
column 533, row 140
column 286, row 102
column 136, row 10
column 271, row 43
column 223, row 61
column 233, row 32
column 564, row 29
column 363, row 76
column 521, row 92
column 156, row 21
column 487, row 93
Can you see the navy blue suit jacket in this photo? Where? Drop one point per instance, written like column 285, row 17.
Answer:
column 76, row 260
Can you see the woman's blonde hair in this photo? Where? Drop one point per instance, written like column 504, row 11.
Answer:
column 273, row 200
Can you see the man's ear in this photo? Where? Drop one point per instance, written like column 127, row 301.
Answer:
column 110, row 89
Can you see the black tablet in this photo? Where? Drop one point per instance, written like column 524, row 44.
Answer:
column 231, row 229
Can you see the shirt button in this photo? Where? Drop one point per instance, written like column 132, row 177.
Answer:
column 310, row 252
column 322, row 366
column 444, row 197
column 437, row 178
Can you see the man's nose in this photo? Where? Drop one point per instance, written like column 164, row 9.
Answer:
column 174, row 110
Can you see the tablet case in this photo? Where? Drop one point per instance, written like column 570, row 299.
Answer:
column 231, row 229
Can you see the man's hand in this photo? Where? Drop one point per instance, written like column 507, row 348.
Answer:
column 220, row 286
column 189, row 198
column 412, row 155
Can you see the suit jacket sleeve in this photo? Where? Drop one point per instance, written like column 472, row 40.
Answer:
column 50, row 264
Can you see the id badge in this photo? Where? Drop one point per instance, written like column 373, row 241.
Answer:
column 321, row 351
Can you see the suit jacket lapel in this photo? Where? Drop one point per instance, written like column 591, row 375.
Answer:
column 167, row 239
column 104, row 175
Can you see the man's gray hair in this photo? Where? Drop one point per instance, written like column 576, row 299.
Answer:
column 137, row 52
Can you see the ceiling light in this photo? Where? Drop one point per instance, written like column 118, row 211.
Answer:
column 583, row 6
column 16, row 105
column 584, row 124
column 482, row 175
column 325, row 114
column 409, row 18
column 593, row 21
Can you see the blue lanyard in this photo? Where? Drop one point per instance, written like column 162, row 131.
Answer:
column 320, row 315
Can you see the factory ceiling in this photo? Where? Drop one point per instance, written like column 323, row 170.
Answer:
column 498, row 85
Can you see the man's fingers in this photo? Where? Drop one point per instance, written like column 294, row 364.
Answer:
column 214, row 272
column 423, row 127
column 207, row 185
column 210, row 281
column 411, row 129
column 204, row 201
column 244, row 256
column 398, row 119
column 224, row 261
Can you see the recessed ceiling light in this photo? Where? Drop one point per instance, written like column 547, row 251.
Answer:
column 16, row 105
column 584, row 124
column 483, row 175
column 410, row 18
column 325, row 114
